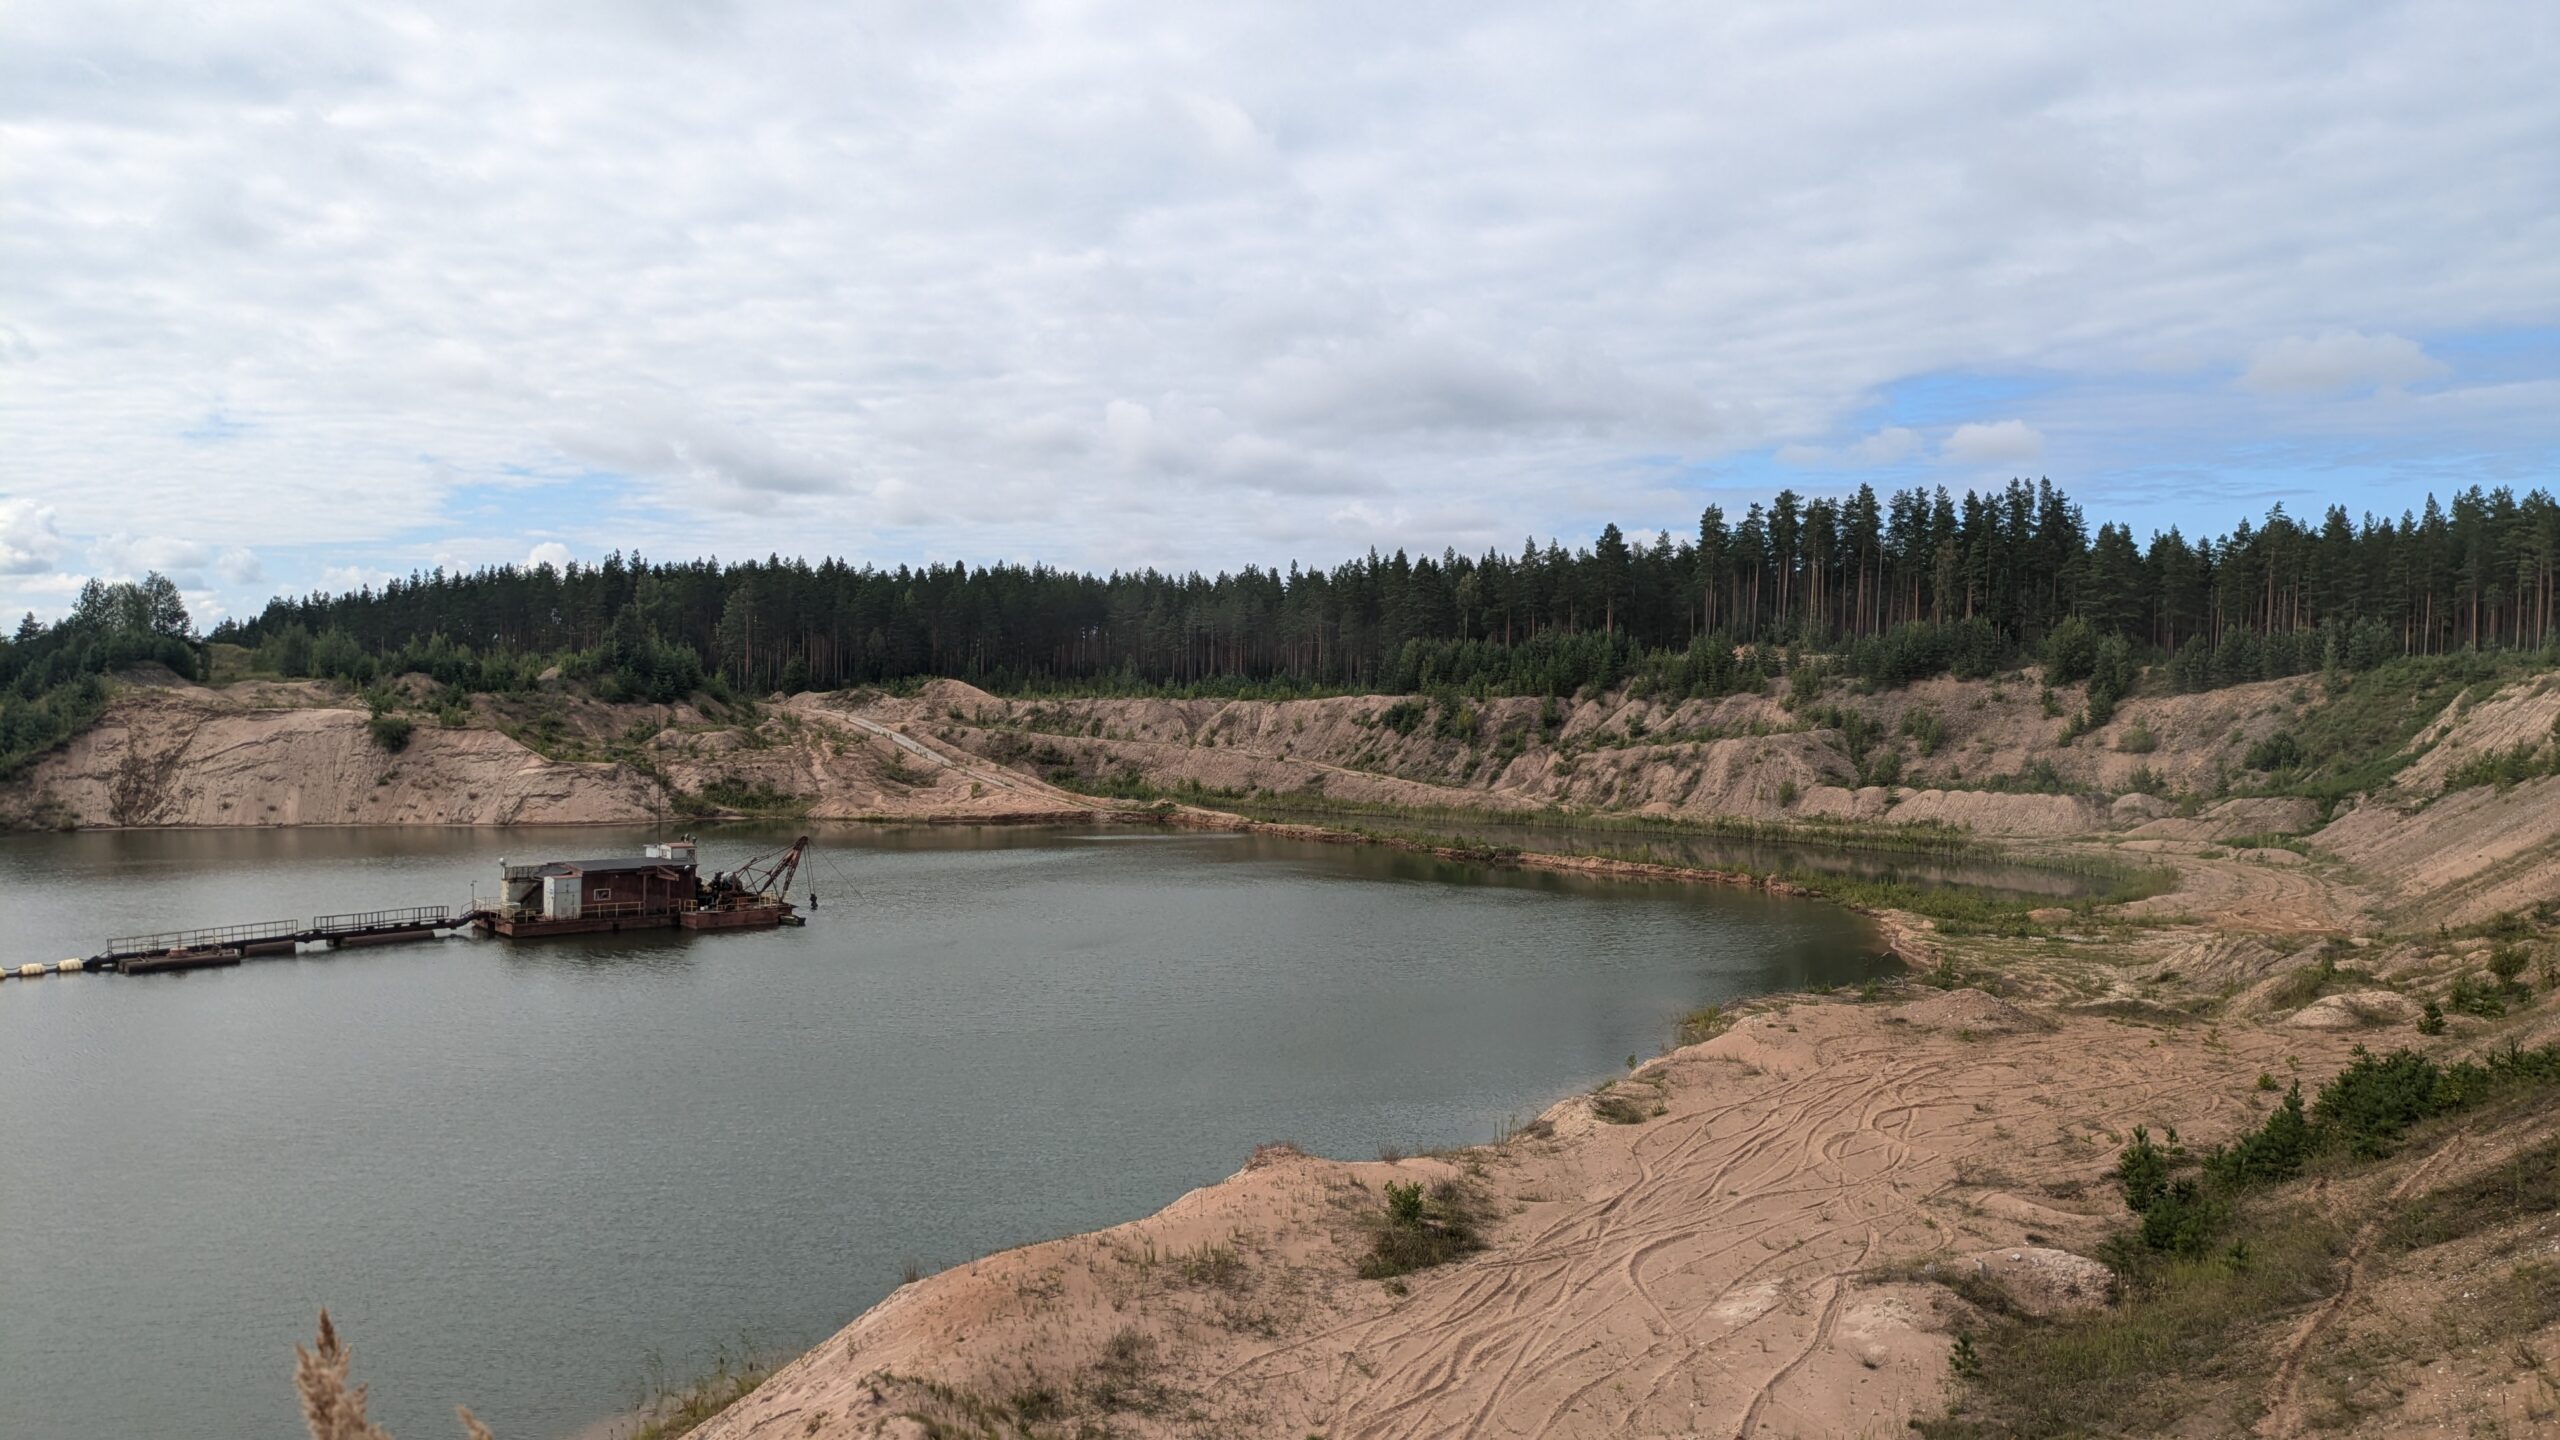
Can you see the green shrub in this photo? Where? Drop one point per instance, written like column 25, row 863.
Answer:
column 2070, row 652
column 2272, row 1152
column 2279, row 751
column 1420, row 1229
column 390, row 731
column 2502, row 768
column 1805, row 681
column 2182, row 1220
column 1704, row 1023
column 2143, row 1170
column 2472, row 995
column 2112, row 675
column 2190, row 1301
column 2370, row 1103
column 1883, row 768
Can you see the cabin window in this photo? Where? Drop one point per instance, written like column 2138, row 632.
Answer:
column 604, row 892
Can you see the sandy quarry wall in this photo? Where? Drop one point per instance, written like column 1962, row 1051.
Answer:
column 1733, row 757
column 2460, row 858
column 2524, row 713
column 269, row 753
column 180, row 756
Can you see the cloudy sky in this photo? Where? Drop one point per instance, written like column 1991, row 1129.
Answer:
column 298, row 296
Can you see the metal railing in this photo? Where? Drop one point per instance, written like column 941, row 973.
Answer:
column 414, row 917
column 610, row 910
column 216, row 937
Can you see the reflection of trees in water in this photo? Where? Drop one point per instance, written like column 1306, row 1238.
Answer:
column 1757, row 856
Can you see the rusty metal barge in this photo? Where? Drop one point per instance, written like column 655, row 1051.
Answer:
column 659, row 889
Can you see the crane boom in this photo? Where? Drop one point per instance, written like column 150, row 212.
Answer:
column 768, row 874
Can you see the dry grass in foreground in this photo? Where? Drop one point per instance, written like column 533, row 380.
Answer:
column 331, row 1409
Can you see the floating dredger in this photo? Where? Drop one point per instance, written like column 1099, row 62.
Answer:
column 659, row 889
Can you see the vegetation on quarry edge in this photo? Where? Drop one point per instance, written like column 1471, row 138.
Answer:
column 2227, row 1242
column 1880, row 592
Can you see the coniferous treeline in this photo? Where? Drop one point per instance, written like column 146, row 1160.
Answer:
column 1914, row 583
column 49, row 674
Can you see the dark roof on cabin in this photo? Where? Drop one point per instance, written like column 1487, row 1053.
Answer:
column 618, row 865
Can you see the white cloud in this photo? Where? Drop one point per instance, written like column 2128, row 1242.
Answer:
column 2340, row 360
column 705, row 457
column 2003, row 442
column 240, row 565
column 29, row 543
column 47, row 597
column 549, row 552
column 813, row 279
column 127, row 557
column 337, row 579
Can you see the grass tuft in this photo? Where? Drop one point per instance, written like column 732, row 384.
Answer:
column 1421, row 1229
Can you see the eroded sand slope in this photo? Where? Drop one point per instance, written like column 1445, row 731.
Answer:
column 186, row 756
column 1727, row 1266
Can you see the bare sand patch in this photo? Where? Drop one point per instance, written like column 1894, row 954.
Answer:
column 1727, row 1266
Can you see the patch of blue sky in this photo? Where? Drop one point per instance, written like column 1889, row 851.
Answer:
column 2501, row 356
column 1946, row 400
column 216, row 428
column 527, row 505
column 2195, row 451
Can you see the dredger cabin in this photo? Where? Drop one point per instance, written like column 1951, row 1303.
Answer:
column 661, row 888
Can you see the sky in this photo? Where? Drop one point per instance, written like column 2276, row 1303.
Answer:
column 305, row 296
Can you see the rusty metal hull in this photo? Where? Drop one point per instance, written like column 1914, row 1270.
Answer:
column 193, row 960
column 745, row 917
column 536, row 929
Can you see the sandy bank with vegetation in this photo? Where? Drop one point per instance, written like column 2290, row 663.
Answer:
column 1822, row 1215
column 1852, row 1214
column 2411, row 780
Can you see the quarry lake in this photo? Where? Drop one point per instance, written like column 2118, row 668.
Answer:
column 520, row 1175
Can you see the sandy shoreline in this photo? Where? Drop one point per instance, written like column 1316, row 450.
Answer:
column 1757, row 1213
column 1726, row 1264
column 1897, row 937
